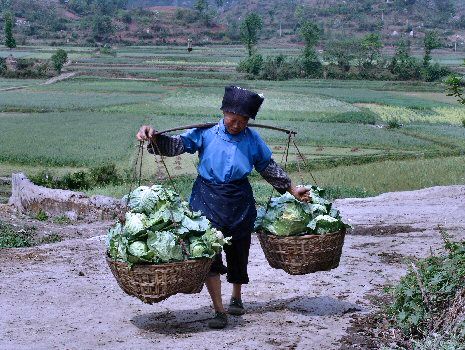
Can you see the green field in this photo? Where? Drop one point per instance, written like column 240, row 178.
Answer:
column 92, row 119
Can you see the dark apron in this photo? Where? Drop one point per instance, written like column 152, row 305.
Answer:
column 230, row 207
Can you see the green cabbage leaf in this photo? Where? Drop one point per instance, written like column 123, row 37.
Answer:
column 160, row 228
column 286, row 216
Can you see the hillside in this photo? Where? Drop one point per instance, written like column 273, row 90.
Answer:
column 173, row 21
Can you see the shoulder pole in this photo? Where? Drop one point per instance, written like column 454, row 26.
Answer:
column 208, row 125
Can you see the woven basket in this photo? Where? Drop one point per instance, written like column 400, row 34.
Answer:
column 300, row 255
column 153, row 283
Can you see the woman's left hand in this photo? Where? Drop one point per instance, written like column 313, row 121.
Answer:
column 300, row 193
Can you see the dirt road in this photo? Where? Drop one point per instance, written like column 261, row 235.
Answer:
column 63, row 296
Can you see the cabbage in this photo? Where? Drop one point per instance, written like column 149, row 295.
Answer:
column 139, row 252
column 160, row 228
column 142, row 200
column 166, row 246
column 291, row 220
column 325, row 224
column 197, row 248
column 207, row 245
column 135, row 226
column 116, row 243
column 200, row 224
column 285, row 216
column 113, row 238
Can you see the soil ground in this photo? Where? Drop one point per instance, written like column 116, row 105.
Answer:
column 63, row 295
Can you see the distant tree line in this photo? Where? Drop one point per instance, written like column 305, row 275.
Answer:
column 355, row 58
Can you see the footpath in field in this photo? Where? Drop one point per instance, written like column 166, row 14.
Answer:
column 63, row 296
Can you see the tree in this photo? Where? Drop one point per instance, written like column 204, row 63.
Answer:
column 201, row 6
column 102, row 26
column 310, row 32
column 430, row 42
column 455, row 88
column 10, row 41
column 250, row 29
column 343, row 52
column 59, row 58
column 404, row 66
column 371, row 48
column 206, row 15
column 312, row 66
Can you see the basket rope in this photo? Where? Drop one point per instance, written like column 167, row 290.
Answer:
column 291, row 138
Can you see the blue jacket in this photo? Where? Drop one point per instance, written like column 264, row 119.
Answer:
column 224, row 157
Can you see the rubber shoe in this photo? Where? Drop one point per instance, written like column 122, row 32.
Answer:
column 235, row 307
column 219, row 321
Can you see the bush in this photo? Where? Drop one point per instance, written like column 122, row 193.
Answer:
column 279, row 68
column 2, row 66
column 405, row 68
column 27, row 68
column 312, row 66
column 394, row 124
column 427, row 290
column 434, row 72
column 107, row 50
column 59, row 58
column 335, row 71
column 76, row 181
column 251, row 65
column 105, row 175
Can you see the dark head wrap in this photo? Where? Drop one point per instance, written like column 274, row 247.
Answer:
column 241, row 101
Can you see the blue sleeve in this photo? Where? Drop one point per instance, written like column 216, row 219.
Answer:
column 262, row 154
column 192, row 140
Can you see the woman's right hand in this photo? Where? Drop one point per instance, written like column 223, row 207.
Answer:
column 146, row 132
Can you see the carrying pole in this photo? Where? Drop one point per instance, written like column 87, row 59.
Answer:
column 209, row 125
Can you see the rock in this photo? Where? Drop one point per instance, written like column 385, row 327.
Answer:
column 71, row 215
column 27, row 197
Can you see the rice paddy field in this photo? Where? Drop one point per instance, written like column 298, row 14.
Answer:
column 342, row 126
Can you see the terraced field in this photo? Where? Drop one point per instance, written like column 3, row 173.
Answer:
column 342, row 125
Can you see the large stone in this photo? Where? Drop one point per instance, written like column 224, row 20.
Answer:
column 30, row 198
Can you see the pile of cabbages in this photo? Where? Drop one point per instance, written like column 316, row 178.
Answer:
column 160, row 228
column 286, row 216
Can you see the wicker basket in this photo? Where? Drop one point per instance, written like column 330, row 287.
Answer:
column 153, row 283
column 300, row 255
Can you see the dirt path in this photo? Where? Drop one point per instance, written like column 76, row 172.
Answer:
column 63, row 296
column 61, row 77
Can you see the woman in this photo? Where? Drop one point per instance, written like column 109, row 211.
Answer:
column 228, row 152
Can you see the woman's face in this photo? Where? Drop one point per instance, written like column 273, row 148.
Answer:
column 235, row 123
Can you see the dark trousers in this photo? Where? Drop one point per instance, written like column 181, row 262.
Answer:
column 237, row 259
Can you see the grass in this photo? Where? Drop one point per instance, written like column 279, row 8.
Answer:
column 390, row 176
column 67, row 139
column 13, row 238
column 448, row 134
column 44, row 101
column 101, row 85
column 9, row 83
column 41, row 215
column 437, row 115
